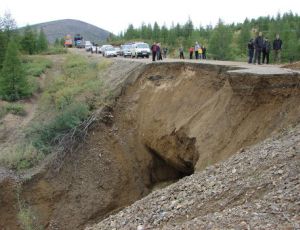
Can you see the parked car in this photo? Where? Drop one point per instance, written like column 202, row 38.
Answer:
column 140, row 49
column 104, row 47
column 118, row 50
column 110, row 52
column 88, row 45
column 94, row 49
column 126, row 50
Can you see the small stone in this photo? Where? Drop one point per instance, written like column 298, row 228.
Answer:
column 140, row 227
column 280, row 171
column 234, row 170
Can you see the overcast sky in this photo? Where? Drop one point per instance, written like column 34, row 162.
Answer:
column 116, row 15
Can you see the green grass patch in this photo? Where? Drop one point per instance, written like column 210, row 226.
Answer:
column 36, row 65
column 52, row 50
column 20, row 156
column 12, row 108
column 46, row 134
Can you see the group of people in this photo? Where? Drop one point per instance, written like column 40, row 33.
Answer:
column 157, row 52
column 261, row 45
column 199, row 50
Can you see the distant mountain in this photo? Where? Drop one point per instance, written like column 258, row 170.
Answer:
column 60, row 28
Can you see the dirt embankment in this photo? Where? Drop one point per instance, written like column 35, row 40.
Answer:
column 170, row 120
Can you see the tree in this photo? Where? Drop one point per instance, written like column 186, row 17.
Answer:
column 42, row 42
column 244, row 37
column 220, row 42
column 13, row 82
column 7, row 27
column 29, row 41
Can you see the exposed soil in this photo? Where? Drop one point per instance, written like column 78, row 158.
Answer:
column 169, row 121
column 295, row 65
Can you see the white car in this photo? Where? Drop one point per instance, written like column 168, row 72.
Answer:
column 140, row 49
column 88, row 45
column 104, row 47
column 110, row 52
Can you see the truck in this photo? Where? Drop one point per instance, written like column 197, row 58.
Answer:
column 68, row 41
column 78, row 41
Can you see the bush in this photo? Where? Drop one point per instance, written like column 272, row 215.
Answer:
column 16, row 109
column 35, row 66
column 20, row 156
column 44, row 135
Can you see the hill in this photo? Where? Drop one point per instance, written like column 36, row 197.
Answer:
column 59, row 28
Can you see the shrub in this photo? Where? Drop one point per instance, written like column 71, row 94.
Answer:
column 16, row 109
column 44, row 135
column 35, row 66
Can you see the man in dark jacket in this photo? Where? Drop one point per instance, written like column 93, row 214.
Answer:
column 258, row 44
column 250, row 50
column 153, row 50
column 266, row 51
column 277, row 44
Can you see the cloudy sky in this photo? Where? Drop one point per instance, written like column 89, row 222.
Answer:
column 115, row 15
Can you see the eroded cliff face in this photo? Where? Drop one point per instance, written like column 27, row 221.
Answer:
column 169, row 120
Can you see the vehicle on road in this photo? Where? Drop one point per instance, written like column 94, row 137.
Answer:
column 88, row 45
column 118, row 50
column 126, row 50
column 68, row 41
column 140, row 49
column 78, row 41
column 104, row 47
column 110, row 52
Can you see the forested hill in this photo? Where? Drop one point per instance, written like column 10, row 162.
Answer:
column 60, row 28
column 224, row 41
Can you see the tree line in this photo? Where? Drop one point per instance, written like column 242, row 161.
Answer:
column 13, row 43
column 224, row 41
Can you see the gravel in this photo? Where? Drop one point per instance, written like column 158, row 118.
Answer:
column 258, row 188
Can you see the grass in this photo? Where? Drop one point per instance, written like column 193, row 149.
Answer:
column 12, row 108
column 66, row 101
column 46, row 134
column 70, row 97
column 36, row 65
column 27, row 218
column 20, row 156
column 52, row 50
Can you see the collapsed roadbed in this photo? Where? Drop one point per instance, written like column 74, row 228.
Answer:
column 169, row 120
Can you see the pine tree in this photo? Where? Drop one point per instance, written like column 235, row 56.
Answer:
column 29, row 41
column 220, row 42
column 13, row 82
column 42, row 42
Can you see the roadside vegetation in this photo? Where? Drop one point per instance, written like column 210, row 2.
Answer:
column 66, row 101
column 223, row 41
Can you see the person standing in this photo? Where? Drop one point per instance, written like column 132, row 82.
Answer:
column 165, row 51
column 158, row 52
column 204, row 52
column 258, row 44
column 277, row 44
column 266, row 51
column 200, row 52
column 197, row 46
column 191, row 50
column 181, row 55
column 153, row 50
column 250, row 50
